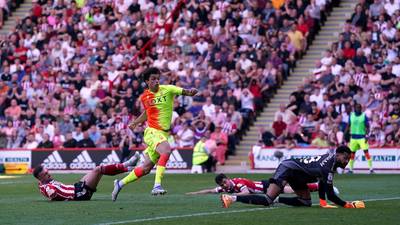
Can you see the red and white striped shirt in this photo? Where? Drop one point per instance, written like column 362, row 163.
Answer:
column 239, row 184
column 358, row 78
column 57, row 191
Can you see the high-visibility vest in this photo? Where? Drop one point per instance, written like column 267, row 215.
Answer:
column 199, row 153
column 357, row 126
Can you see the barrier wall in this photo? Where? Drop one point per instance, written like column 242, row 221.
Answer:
column 383, row 158
column 85, row 159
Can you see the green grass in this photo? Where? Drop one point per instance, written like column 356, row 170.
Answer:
column 21, row 203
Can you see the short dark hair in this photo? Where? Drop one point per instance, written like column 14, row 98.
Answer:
column 343, row 149
column 148, row 72
column 220, row 177
column 37, row 171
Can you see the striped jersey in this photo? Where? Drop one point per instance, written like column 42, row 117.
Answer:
column 239, row 184
column 57, row 191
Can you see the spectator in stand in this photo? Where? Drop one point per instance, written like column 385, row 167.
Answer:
column 230, row 129
column 45, row 143
column 185, row 135
column 70, row 142
column 286, row 114
column 376, row 137
column 209, row 108
column 124, row 146
column 221, row 140
column 320, row 141
column 30, row 143
column 101, row 78
column 86, row 142
column 247, row 104
column 279, row 128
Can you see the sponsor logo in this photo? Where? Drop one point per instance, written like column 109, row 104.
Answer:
column 112, row 158
column 82, row 161
column 54, row 161
column 270, row 158
column 176, row 161
column 381, row 158
column 155, row 101
column 16, row 159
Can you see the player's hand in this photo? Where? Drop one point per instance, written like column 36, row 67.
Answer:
column 349, row 205
column 358, row 204
column 192, row 91
column 355, row 205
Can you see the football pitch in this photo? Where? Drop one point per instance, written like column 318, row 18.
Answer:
column 22, row 203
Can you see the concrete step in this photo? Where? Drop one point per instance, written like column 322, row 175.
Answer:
column 328, row 34
column 20, row 12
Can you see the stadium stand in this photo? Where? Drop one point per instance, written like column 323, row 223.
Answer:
column 67, row 66
column 361, row 67
column 67, row 70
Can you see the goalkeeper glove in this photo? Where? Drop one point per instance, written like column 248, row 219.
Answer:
column 355, row 204
column 325, row 205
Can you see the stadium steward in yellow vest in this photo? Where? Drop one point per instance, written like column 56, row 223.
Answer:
column 359, row 128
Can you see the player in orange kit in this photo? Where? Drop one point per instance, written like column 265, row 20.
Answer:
column 158, row 102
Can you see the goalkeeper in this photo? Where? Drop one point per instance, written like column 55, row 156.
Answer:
column 298, row 173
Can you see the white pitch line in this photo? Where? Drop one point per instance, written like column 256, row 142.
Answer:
column 218, row 213
column 15, row 182
column 183, row 216
column 381, row 199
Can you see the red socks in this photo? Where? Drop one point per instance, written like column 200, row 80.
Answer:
column 313, row 187
column 367, row 156
column 113, row 169
column 138, row 171
column 162, row 161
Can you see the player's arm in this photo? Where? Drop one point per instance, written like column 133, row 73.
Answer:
column 206, row 191
column 322, row 194
column 50, row 192
column 175, row 90
column 326, row 186
column 137, row 121
column 335, row 199
column 190, row 92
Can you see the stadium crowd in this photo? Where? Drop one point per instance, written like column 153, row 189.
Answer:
column 68, row 77
column 6, row 9
column 363, row 67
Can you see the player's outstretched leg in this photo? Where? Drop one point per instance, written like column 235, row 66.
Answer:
column 253, row 199
column 164, row 150
column 92, row 178
column 303, row 199
column 115, row 169
column 132, row 161
column 266, row 200
column 136, row 173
